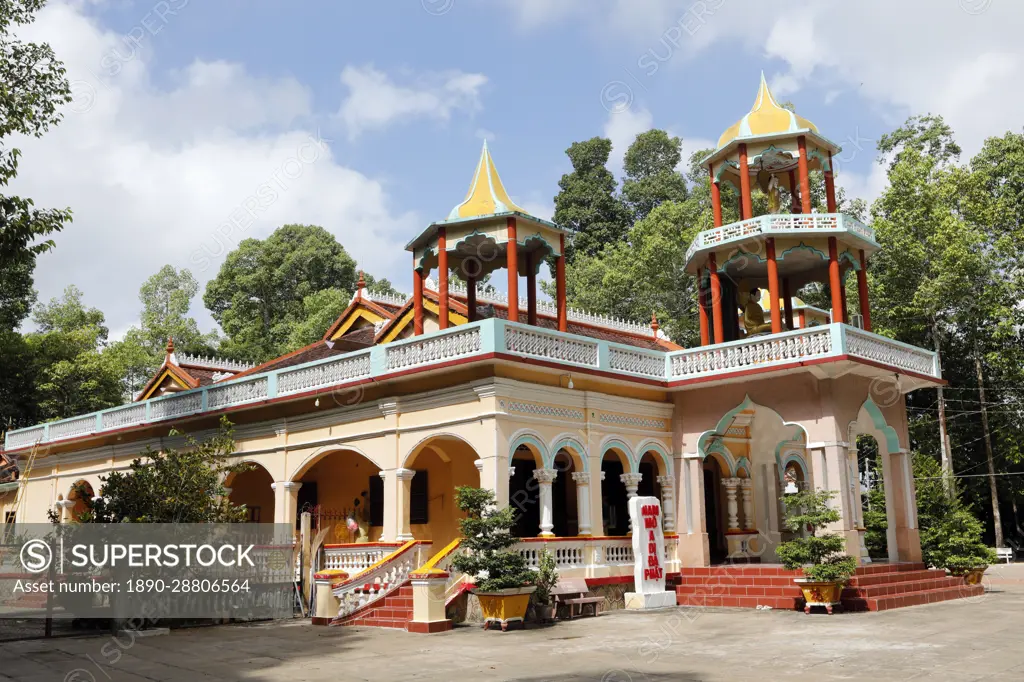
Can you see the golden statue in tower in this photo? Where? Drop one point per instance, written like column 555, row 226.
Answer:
column 753, row 315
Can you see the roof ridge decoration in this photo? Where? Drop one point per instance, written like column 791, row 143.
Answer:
column 766, row 117
column 384, row 297
column 213, row 363
column 486, row 195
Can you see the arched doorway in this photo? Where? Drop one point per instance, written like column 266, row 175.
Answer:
column 524, row 489
column 714, row 507
column 614, row 495
column 441, row 464
column 563, row 493
column 81, row 493
column 338, row 485
column 870, row 496
column 251, row 487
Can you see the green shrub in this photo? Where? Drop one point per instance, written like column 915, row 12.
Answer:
column 821, row 555
column 955, row 543
column 546, row 578
column 487, row 538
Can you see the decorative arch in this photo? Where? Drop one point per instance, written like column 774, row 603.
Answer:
column 546, row 250
column 616, row 443
column 737, row 255
column 534, row 442
column 793, row 458
column 571, row 444
column 743, row 464
column 420, row 444
column 849, row 258
column 721, row 171
column 892, row 440
column 303, row 468
column 822, row 158
column 803, row 247
column 719, row 452
column 652, row 445
column 715, row 434
column 772, row 151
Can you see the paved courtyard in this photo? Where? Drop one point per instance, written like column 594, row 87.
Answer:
column 981, row 639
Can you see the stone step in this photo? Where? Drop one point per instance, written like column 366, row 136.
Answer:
column 896, row 577
column 913, row 598
column 902, row 587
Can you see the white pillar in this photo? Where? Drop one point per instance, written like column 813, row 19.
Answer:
column 286, row 502
column 632, row 481
column 582, row 480
column 747, row 490
column 66, row 507
column 731, row 484
column 545, row 477
column 397, row 496
column 668, row 502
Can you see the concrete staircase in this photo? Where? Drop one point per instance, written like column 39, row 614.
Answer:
column 394, row 610
column 875, row 587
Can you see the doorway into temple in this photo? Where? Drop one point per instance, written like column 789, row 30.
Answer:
column 714, row 511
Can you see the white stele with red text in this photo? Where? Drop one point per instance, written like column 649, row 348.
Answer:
column 649, row 552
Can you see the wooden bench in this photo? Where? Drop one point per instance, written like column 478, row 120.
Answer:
column 572, row 593
column 1004, row 553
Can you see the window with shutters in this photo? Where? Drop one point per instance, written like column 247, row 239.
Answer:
column 419, row 500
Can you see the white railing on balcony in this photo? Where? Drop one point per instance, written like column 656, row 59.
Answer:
column 780, row 223
column 761, row 351
column 571, row 553
column 497, row 337
column 355, row 558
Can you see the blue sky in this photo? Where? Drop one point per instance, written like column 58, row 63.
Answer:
column 184, row 108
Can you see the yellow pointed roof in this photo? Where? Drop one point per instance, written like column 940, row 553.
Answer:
column 486, row 195
column 766, row 117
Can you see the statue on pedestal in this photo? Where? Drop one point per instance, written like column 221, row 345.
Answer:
column 753, row 315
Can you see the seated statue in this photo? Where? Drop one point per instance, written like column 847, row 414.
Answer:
column 753, row 315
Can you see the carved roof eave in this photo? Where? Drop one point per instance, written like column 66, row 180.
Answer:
column 731, row 148
column 428, row 237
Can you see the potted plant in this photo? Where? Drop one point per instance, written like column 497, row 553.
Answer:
column 503, row 581
column 825, row 565
column 956, row 545
column 545, row 581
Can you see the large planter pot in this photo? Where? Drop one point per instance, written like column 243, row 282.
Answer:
column 544, row 613
column 504, row 606
column 825, row 594
column 972, row 576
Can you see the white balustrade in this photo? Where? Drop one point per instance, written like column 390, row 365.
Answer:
column 617, row 552
column 889, row 352
column 647, row 364
column 124, row 416
column 433, row 349
column 176, row 406
column 346, row 368
column 24, row 437
column 73, row 427
column 355, row 558
column 801, row 344
column 533, row 342
column 237, row 392
column 365, row 588
column 567, row 552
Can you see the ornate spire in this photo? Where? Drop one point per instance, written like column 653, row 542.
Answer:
column 171, row 359
column 766, row 117
column 486, row 195
column 654, row 324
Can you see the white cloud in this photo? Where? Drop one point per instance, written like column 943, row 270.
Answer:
column 180, row 174
column 374, row 100
column 622, row 127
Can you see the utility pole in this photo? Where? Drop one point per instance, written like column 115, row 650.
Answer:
column 993, row 489
column 944, row 446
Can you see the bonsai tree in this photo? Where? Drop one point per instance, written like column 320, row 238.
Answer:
column 487, row 537
column 819, row 554
column 545, row 578
column 955, row 543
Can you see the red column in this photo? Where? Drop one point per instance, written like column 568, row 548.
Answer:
column 745, row 206
column 834, row 282
column 442, row 278
column 862, row 291
column 794, row 192
column 417, row 302
column 773, row 286
column 702, row 311
column 716, row 198
column 805, row 176
column 716, row 300
column 563, row 320
column 471, row 298
column 787, row 301
column 512, row 254
column 830, row 187
column 531, row 291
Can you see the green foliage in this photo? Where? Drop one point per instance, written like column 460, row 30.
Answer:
column 487, row 538
column 545, row 579
column 33, row 87
column 71, row 375
column 586, row 202
column 166, row 299
column 259, row 294
column 172, row 486
column 651, row 178
column 820, row 555
column 320, row 310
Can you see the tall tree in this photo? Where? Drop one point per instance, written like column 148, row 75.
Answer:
column 33, row 88
column 651, row 177
column 258, row 295
column 166, row 300
column 586, row 202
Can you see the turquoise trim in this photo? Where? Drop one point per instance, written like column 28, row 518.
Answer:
column 739, row 255
column 771, row 148
column 536, row 237
column 655, row 446
column 849, row 257
column 427, row 252
column 525, row 439
column 743, row 464
column 721, row 170
column 474, row 233
column 717, row 447
column 569, row 442
column 802, row 247
column 798, row 459
column 892, row 440
column 718, row 432
column 816, row 154
column 621, row 445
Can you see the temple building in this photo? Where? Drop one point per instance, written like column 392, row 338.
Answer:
column 562, row 413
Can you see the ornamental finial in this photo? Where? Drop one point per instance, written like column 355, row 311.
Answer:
column 360, row 285
column 170, row 345
column 654, row 324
